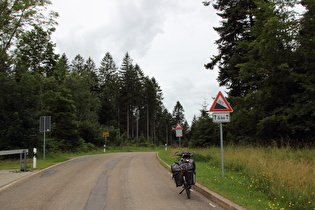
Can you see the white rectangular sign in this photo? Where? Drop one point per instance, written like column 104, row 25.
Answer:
column 179, row 133
column 221, row 117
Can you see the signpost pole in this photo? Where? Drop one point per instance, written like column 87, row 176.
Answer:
column 44, row 126
column 222, row 150
column 44, row 149
column 105, row 135
column 105, row 145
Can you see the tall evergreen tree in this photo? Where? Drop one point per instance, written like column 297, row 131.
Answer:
column 126, row 92
column 237, row 20
column 86, row 101
column 108, row 76
column 268, row 69
column 304, row 65
column 61, row 69
column 178, row 114
column 153, row 103
column 78, row 64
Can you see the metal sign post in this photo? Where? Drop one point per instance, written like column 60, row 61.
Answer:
column 44, row 126
column 221, row 109
column 222, row 150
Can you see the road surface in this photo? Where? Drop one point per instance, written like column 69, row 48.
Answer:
column 106, row 181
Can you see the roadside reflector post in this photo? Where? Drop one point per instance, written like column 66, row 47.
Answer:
column 34, row 157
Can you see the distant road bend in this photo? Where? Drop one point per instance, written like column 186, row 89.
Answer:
column 106, row 181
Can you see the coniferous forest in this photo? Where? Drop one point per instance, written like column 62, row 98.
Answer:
column 266, row 61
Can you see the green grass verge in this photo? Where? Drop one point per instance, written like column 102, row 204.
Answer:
column 253, row 177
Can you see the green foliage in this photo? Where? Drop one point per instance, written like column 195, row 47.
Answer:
column 81, row 98
column 266, row 60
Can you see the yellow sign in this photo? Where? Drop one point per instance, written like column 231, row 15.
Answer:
column 105, row 134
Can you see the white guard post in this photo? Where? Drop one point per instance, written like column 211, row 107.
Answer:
column 34, row 157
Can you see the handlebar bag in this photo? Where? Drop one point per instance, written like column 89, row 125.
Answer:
column 188, row 165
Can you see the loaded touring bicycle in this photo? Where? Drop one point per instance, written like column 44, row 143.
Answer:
column 184, row 172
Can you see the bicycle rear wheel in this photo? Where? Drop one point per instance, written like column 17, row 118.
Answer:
column 187, row 188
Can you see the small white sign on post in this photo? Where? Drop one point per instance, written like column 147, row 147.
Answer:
column 179, row 133
column 221, row 117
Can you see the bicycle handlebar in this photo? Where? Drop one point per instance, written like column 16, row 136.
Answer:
column 183, row 153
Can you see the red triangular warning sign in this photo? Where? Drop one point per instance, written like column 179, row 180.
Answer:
column 220, row 104
column 178, row 127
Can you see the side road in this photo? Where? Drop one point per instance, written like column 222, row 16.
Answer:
column 223, row 202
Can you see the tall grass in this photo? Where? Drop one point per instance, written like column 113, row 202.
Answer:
column 286, row 175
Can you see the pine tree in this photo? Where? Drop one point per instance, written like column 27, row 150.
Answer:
column 237, row 20
column 109, row 84
column 77, row 64
column 304, row 65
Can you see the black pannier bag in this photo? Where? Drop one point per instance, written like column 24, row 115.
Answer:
column 177, row 175
column 191, row 165
column 178, row 178
column 190, row 177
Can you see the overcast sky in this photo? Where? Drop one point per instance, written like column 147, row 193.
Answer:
column 170, row 40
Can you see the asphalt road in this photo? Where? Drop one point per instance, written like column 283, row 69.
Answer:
column 106, row 181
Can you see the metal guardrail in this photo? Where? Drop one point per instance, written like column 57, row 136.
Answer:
column 17, row 151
